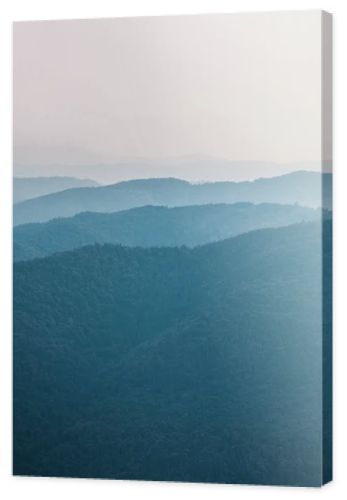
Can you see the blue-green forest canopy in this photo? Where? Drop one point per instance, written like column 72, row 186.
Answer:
column 175, row 363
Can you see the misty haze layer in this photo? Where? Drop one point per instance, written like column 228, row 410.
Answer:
column 240, row 87
column 310, row 189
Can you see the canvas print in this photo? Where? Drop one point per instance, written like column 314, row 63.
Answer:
column 172, row 248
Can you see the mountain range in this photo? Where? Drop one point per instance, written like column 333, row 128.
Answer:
column 191, row 167
column 154, row 226
column 309, row 189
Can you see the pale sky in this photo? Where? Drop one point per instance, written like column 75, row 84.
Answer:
column 242, row 87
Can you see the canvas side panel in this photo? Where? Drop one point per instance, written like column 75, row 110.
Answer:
column 327, row 455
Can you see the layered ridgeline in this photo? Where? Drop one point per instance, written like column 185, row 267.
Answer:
column 25, row 188
column 304, row 188
column 188, row 167
column 154, row 226
column 196, row 364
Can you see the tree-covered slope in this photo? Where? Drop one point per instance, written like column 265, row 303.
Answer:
column 304, row 188
column 173, row 363
column 154, row 226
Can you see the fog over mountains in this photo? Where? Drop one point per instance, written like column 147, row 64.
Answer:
column 154, row 227
column 309, row 189
column 172, row 296
column 192, row 168
column 25, row 188
column 177, row 328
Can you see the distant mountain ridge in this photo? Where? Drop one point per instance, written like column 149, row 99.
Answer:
column 303, row 188
column 25, row 188
column 152, row 226
column 191, row 167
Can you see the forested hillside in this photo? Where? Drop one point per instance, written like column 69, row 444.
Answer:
column 190, row 364
column 154, row 226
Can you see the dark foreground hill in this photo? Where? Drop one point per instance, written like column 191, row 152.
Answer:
column 172, row 363
column 25, row 188
column 154, row 226
column 304, row 188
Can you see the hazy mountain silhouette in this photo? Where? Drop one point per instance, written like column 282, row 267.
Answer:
column 304, row 188
column 196, row 364
column 154, row 226
column 25, row 188
column 79, row 162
